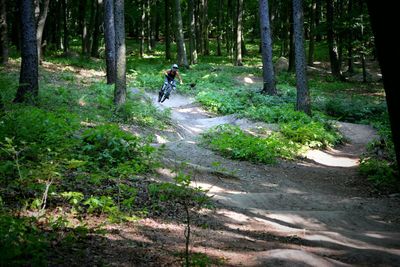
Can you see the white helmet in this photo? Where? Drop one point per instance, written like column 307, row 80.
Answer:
column 175, row 66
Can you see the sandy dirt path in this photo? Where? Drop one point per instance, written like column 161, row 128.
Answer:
column 310, row 212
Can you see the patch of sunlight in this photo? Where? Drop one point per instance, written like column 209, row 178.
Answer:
column 160, row 139
column 296, row 220
column 166, row 172
column 294, row 191
column 211, row 188
column 239, row 217
column 206, row 76
column 375, row 235
column 248, row 80
column 269, row 185
column 326, row 159
column 275, row 226
column 82, row 101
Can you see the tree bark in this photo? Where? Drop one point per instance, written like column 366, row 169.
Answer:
column 40, row 27
column 96, row 32
column 192, row 32
column 311, row 46
column 387, row 53
column 168, row 29
column 206, row 25
column 268, row 68
column 239, row 25
column 109, row 39
column 148, row 27
column 65, row 26
column 333, row 50
column 142, row 26
column 291, row 67
column 28, row 89
column 120, row 54
column 3, row 33
column 182, row 58
column 219, row 26
column 303, row 96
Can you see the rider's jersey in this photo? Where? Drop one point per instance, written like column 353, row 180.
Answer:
column 171, row 74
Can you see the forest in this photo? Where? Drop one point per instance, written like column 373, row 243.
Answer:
column 199, row 133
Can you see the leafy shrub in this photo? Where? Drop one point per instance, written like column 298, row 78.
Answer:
column 107, row 146
column 379, row 172
column 233, row 142
column 21, row 243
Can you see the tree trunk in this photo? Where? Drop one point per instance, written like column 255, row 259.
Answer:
column 219, row 26
column 199, row 26
column 82, row 24
column 303, row 96
column 268, row 68
column 153, row 21
column 120, row 53
column 291, row 67
column 182, row 58
column 65, row 26
column 168, row 29
column 318, row 7
column 3, row 33
column 109, row 40
column 333, row 51
column 40, row 27
column 206, row 25
column 148, row 27
column 239, row 25
column 28, row 89
column 142, row 26
column 312, row 34
column 192, row 32
column 388, row 53
column 96, row 33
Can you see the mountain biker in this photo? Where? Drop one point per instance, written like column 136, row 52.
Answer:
column 170, row 78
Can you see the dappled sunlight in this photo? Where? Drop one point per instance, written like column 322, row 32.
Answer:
column 294, row 219
column 326, row 159
column 213, row 189
column 248, row 80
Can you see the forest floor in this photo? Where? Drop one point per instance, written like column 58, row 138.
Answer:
column 315, row 211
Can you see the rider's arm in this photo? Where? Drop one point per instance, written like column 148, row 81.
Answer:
column 179, row 77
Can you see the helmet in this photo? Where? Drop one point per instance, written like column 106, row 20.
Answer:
column 175, row 66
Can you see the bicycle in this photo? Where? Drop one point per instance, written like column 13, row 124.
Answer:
column 165, row 91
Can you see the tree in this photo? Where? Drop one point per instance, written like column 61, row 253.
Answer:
column 182, row 58
column 206, row 25
column 239, row 25
column 192, row 33
column 65, row 26
column 303, row 97
column 40, row 27
column 142, row 26
column 219, row 26
column 388, row 54
column 268, row 68
column 167, row 29
column 120, row 53
column 333, row 51
column 312, row 34
column 3, row 33
column 109, row 39
column 96, row 31
column 28, row 89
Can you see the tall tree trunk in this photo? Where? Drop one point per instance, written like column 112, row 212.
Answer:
column 153, row 21
column 182, row 58
column 109, row 39
column 120, row 53
column 65, row 26
column 206, row 25
column 318, row 14
column 82, row 24
column 303, row 96
column 291, row 67
column 3, row 33
column 90, row 29
column 219, row 26
column 148, row 26
column 40, row 27
column 387, row 52
column 168, row 29
column 199, row 26
column 96, row 33
column 239, row 25
column 312, row 34
column 350, row 68
column 28, row 89
column 142, row 26
column 192, row 33
column 229, row 29
column 268, row 68
column 333, row 51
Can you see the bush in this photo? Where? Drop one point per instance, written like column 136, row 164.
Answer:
column 379, row 172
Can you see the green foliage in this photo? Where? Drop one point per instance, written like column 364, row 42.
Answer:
column 107, row 146
column 381, row 173
column 102, row 204
column 233, row 142
column 21, row 242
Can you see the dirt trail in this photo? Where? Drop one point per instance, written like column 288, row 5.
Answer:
column 312, row 212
